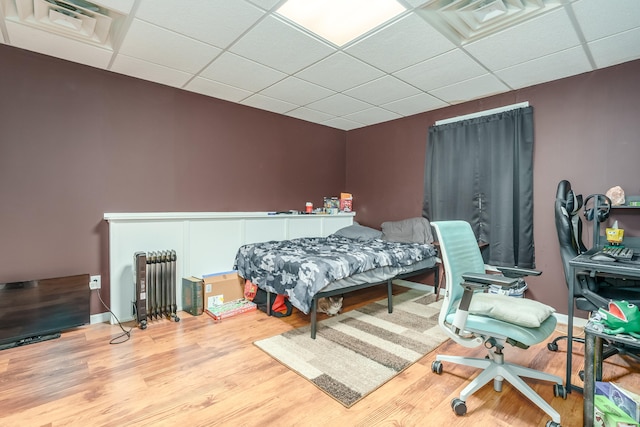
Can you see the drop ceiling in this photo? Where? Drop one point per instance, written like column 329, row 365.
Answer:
column 437, row 53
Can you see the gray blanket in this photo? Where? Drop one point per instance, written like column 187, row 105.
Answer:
column 300, row 268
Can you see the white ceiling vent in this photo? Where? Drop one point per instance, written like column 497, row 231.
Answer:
column 468, row 20
column 77, row 19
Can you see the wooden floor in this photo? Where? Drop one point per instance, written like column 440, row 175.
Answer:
column 197, row 372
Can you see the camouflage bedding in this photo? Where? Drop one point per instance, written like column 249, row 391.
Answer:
column 300, row 268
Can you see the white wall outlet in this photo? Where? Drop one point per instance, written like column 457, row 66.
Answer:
column 95, row 282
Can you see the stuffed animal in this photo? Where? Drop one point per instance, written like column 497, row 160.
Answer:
column 622, row 318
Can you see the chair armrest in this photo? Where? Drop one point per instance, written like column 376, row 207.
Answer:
column 489, row 279
column 473, row 282
column 518, row 272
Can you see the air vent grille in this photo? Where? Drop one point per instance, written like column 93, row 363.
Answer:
column 77, row 19
column 469, row 20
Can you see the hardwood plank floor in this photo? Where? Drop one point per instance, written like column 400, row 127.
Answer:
column 198, row 372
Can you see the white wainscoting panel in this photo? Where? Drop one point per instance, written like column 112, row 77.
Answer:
column 205, row 242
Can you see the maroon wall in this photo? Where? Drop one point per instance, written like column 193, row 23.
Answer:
column 587, row 130
column 77, row 142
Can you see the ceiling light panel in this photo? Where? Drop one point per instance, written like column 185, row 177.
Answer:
column 340, row 21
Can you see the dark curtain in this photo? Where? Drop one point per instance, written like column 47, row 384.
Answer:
column 481, row 170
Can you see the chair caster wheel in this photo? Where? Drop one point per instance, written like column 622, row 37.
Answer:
column 552, row 346
column 552, row 424
column 559, row 391
column 436, row 366
column 143, row 324
column 459, row 407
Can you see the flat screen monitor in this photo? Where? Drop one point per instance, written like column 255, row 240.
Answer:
column 36, row 310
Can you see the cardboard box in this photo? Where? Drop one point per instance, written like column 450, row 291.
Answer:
column 192, row 295
column 346, row 202
column 626, row 400
column 607, row 414
column 222, row 287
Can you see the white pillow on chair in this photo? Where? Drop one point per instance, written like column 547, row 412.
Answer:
column 520, row 311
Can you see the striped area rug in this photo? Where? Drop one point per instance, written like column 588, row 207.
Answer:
column 356, row 352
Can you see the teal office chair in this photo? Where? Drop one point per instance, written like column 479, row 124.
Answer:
column 472, row 318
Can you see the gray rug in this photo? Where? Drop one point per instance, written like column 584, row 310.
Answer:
column 356, row 352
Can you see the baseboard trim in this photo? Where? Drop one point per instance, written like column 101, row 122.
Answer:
column 100, row 318
column 563, row 319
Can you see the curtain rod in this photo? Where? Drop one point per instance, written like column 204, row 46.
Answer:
column 483, row 113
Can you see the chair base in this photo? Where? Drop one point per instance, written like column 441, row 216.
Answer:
column 494, row 368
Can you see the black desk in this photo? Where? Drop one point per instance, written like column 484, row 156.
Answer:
column 593, row 340
column 585, row 263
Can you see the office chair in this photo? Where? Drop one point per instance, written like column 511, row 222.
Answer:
column 472, row 318
column 590, row 293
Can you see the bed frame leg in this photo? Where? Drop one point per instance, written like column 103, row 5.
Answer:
column 389, row 296
column 268, row 303
column 314, row 309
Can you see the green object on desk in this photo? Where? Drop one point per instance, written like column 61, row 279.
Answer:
column 622, row 318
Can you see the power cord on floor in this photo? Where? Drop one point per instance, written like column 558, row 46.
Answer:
column 125, row 333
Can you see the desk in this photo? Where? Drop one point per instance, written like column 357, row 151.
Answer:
column 585, row 263
column 593, row 340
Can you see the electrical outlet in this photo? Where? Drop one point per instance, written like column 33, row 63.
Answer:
column 95, row 282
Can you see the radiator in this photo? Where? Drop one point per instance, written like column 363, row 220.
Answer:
column 155, row 287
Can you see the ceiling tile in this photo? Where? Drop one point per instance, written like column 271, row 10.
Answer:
column 531, row 39
column 598, row 19
column 382, row 90
column 551, row 67
column 297, row 91
column 478, row 87
column 616, row 49
column 372, row 116
column 265, row 4
column 242, row 51
column 279, row 45
column 160, row 46
column 149, row 71
column 122, row 6
column 270, row 104
column 418, row 40
column 344, row 124
column 309, row 115
column 415, row 104
column 339, row 72
column 240, row 72
column 339, row 105
column 217, row 90
column 217, row 22
column 443, row 70
column 51, row 44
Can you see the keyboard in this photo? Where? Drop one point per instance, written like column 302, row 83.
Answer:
column 618, row 252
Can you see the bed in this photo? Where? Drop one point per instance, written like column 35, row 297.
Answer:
column 306, row 269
